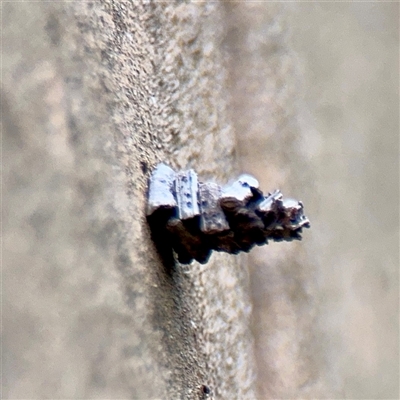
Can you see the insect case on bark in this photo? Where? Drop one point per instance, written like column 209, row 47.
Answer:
column 193, row 218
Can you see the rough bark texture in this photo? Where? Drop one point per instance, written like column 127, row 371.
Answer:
column 93, row 95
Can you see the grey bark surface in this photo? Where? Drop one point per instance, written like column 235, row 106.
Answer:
column 93, row 96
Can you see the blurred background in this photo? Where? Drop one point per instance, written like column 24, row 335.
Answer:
column 315, row 89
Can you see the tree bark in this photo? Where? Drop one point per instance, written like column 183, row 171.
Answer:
column 93, row 96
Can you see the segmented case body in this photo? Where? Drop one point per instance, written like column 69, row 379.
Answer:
column 186, row 189
column 213, row 220
column 194, row 218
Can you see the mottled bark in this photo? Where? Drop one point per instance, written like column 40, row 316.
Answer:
column 93, row 96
